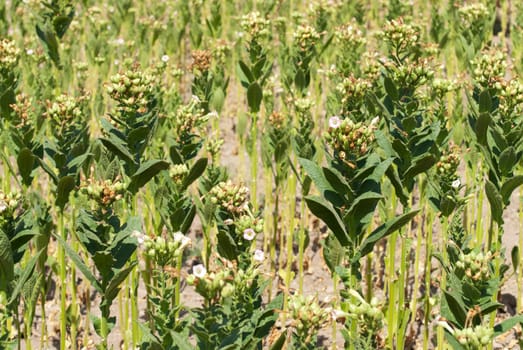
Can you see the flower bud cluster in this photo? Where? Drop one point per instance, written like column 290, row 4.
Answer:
column 403, row 37
column 444, row 86
column 278, row 121
column 132, row 89
column 490, row 68
column 473, row 13
column 353, row 90
column 104, row 193
column 447, row 165
column 230, row 197
column 255, row 25
column 306, row 37
column 220, row 51
column 166, row 251
column 369, row 314
column 23, row 109
column 189, row 119
column 249, row 226
column 8, row 204
column 211, row 285
column 178, row 172
column 307, row 315
column 510, row 96
column 201, row 60
column 475, row 338
column 475, row 265
column 65, row 109
column 411, row 74
column 303, row 105
column 9, row 55
column 213, row 147
column 350, row 36
column 349, row 140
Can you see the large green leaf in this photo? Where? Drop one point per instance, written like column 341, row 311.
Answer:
column 113, row 287
column 482, row 124
column 333, row 252
column 383, row 231
column 507, row 161
column 254, row 97
column 65, row 185
column 26, row 163
column 509, row 186
column 146, row 172
column 507, row 325
column 6, row 259
column 453, row 309
column 196, row 171
column 73, row 255
column 117, row 147
column 324, row 210
column 496, row 202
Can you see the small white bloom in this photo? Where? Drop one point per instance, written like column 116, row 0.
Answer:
column 375, row 121
column 116, row 62
column 456, row 183
column 199, row 271
column 3, row 206
column 119, row 41
column 249, row 234
column 337, row 314
column 30, row 52
column 334, row 122
column 165, row 58
column 139, row 236
column 259, row 255
column 185, row 241
column 178, row 236
column 228, row 222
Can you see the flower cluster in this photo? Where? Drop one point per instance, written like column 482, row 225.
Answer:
column 475, row 338
column 9, row 55
column 444, row 86
column 353, row 91
column 306, row 38
column 278, row 121
column 349, row 140
column 510, row 96
column 255, row 25
column 132, row 89
column 249, row 226
column 213, row 147
column 189, row 119
column 166, row 251
column 65, row 109
column 230, row 197
column 8, row 204
column 201, row 60
column 307, row 315
column 475, row 265
column 212, row 286
column 303, row 105
column 178, row 172
column 447, row 166
column 412, row 73
column 349, row 35
column 104, row 193
column 368, row 315
column 489, row 68
column 403, row 37
column 473, row 13
column 23, row 109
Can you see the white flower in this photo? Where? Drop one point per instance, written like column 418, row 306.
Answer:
column 30, row 52
column 334, row 122
column 3, row 206
column 375, row 121
column 228, row 222
column 140, row 237
column 178, row 236
column 199, row 271
column 456, row 183
column 116, row 62
column 249, row 234
column 119, row 41
column 165, row 58
column 259, row 255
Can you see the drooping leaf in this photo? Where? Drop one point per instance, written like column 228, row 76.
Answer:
column 65, row 185
column 6, row 258
column 254, row 97
column 509, row 186
column 383, row 231
column 495, row 200
column 324, row 211
column 146, row 172
column 196, row 171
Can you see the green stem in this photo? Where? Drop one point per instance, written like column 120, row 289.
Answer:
column 254, row 161
column 177, row 291
column 63, row 281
